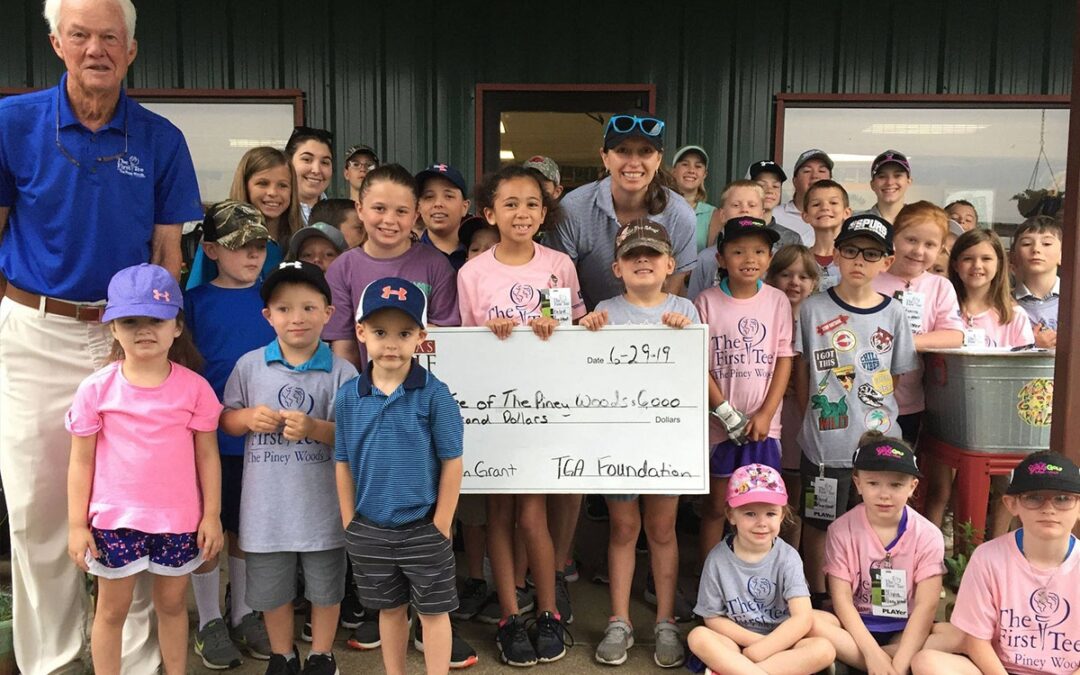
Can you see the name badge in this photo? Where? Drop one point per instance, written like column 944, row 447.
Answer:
column 914, row 303
column 888, row 592
column 974, row 337
column 556, row 303
column 821, row 499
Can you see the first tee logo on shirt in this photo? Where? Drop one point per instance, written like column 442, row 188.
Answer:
column 740, row 352
column 757, row 608
column 129, row 166
column 274, row 448
column 1036, row 631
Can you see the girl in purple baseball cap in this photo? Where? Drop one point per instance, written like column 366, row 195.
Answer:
column 144, row 481
column 753, row 595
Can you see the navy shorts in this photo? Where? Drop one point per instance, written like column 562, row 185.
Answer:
column 909, row 427
column 125, row 552
column 727, row 456
column 232, row 479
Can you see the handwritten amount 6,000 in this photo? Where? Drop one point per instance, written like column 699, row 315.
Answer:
column 644, row 353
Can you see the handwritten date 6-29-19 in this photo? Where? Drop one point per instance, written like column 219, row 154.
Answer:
column 645, row 353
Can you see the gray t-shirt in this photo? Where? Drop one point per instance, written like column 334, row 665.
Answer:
column 622, row 312
column 753, row 595
column 852, row 355
column 585, row 229
column 289, row 500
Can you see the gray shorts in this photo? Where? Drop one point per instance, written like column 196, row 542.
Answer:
column 271, row 578
column 413, row 563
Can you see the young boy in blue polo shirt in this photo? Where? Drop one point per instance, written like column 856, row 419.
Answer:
column 398, row 480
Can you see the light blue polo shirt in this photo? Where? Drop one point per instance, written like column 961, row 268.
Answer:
column 395, row 445
column 72, row 227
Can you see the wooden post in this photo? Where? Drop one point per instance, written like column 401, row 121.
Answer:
column 1065, row 431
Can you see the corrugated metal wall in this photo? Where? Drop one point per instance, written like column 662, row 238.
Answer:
column 401, row 75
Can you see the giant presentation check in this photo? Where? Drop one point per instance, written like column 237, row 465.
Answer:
column 620, row 410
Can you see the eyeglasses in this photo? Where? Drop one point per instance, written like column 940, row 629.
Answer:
column 357, row 164
column 102, row 160
column 624, row 124
column 1060, row 502
column 311, row 132
column 870, row 255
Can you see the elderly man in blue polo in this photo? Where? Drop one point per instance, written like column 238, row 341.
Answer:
column 90, row 183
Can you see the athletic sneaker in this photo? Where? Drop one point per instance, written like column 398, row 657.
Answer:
column 512, row 640
column 570, row 570
column 562, row 599
column 462, row 655
column 251, row 635
column 321, row 664
column 305, row 632
column 473, row 598
column 669, row 651
column 618, row 638
column 352, row 612
column 684, row 611
column 492, row 612
column 213, row 645
column 366, row 635
column 550, row 638
column 279, row 665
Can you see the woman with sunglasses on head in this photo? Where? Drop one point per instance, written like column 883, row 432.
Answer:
column 312, row 155
column 590, row 216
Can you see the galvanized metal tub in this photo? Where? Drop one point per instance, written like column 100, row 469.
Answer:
column 990, row 400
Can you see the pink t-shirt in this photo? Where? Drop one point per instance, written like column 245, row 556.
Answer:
column 144, row 464
column 1032, row 632
column 930, row 303
column 852, row 547
column 746, row 336
column 488, row 289
column 1016, row 333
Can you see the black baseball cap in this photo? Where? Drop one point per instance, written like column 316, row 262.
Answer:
column 444, row 171
column 766, row 166
column 890, row 157
column 1045, row 471
column 469, row 227
column 296, row 272
column 886, row 454
column 745, row 226
column 867, row 225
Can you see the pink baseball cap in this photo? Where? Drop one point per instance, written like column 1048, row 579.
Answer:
column 755, row 483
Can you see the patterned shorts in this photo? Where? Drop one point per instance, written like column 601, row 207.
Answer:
column 125, row 552
column 728, row 456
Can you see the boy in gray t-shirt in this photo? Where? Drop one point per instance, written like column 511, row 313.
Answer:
column 643, row 262
column 851, row 343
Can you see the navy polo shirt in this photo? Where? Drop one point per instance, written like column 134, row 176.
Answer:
column 72, row 227
column 395, row 444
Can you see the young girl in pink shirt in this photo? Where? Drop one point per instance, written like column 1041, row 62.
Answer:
column 884, row 564
column 144, row 482
column 1016, row 611
column 518, row 282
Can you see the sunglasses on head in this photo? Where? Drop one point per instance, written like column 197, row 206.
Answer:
column 624, row 124
column 311, row 132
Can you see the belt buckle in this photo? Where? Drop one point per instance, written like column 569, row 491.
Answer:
column 88, row 312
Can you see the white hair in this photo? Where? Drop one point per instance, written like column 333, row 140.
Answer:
column 52, row 15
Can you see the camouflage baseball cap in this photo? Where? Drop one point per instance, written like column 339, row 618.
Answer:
column 642, row 233
column 234, row 224
column 546, row 166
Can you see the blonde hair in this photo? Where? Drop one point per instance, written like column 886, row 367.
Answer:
column 743, row 183
column 922, row 212
column 52, row 11
column 260, row 159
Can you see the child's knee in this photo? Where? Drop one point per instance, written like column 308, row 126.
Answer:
column 624, row 531
column 660, row 531
column 698, row 638
column 818, row 649
column 170, row 604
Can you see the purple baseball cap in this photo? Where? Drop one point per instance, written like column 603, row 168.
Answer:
column 143, row 290
column 756, row 483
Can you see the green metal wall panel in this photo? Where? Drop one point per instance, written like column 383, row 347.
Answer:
column 401, row 76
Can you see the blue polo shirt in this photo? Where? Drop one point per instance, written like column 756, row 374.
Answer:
column 395, row 444
column 72, row 227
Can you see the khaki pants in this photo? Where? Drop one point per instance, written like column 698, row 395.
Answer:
column 43, row 358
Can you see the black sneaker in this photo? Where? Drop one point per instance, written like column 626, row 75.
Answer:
column 462, row 655
column 366, row 635
column 321, row 664
column 562, row 599
column 596, row 508
column 512, row 639
column 305, row 632
column 279, row 665
column 474, row 596
column 352, row 612
column 550, row 637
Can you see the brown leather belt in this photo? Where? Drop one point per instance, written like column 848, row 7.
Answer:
column 72, row 310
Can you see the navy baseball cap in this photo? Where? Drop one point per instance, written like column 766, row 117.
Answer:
column 143, row 290
column 1045, row 471
column 745, row 226
column 393, row 293
column 886, row 454
column 297, row 272
column 444, row 171
column 867, row 225
column 766, row 166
